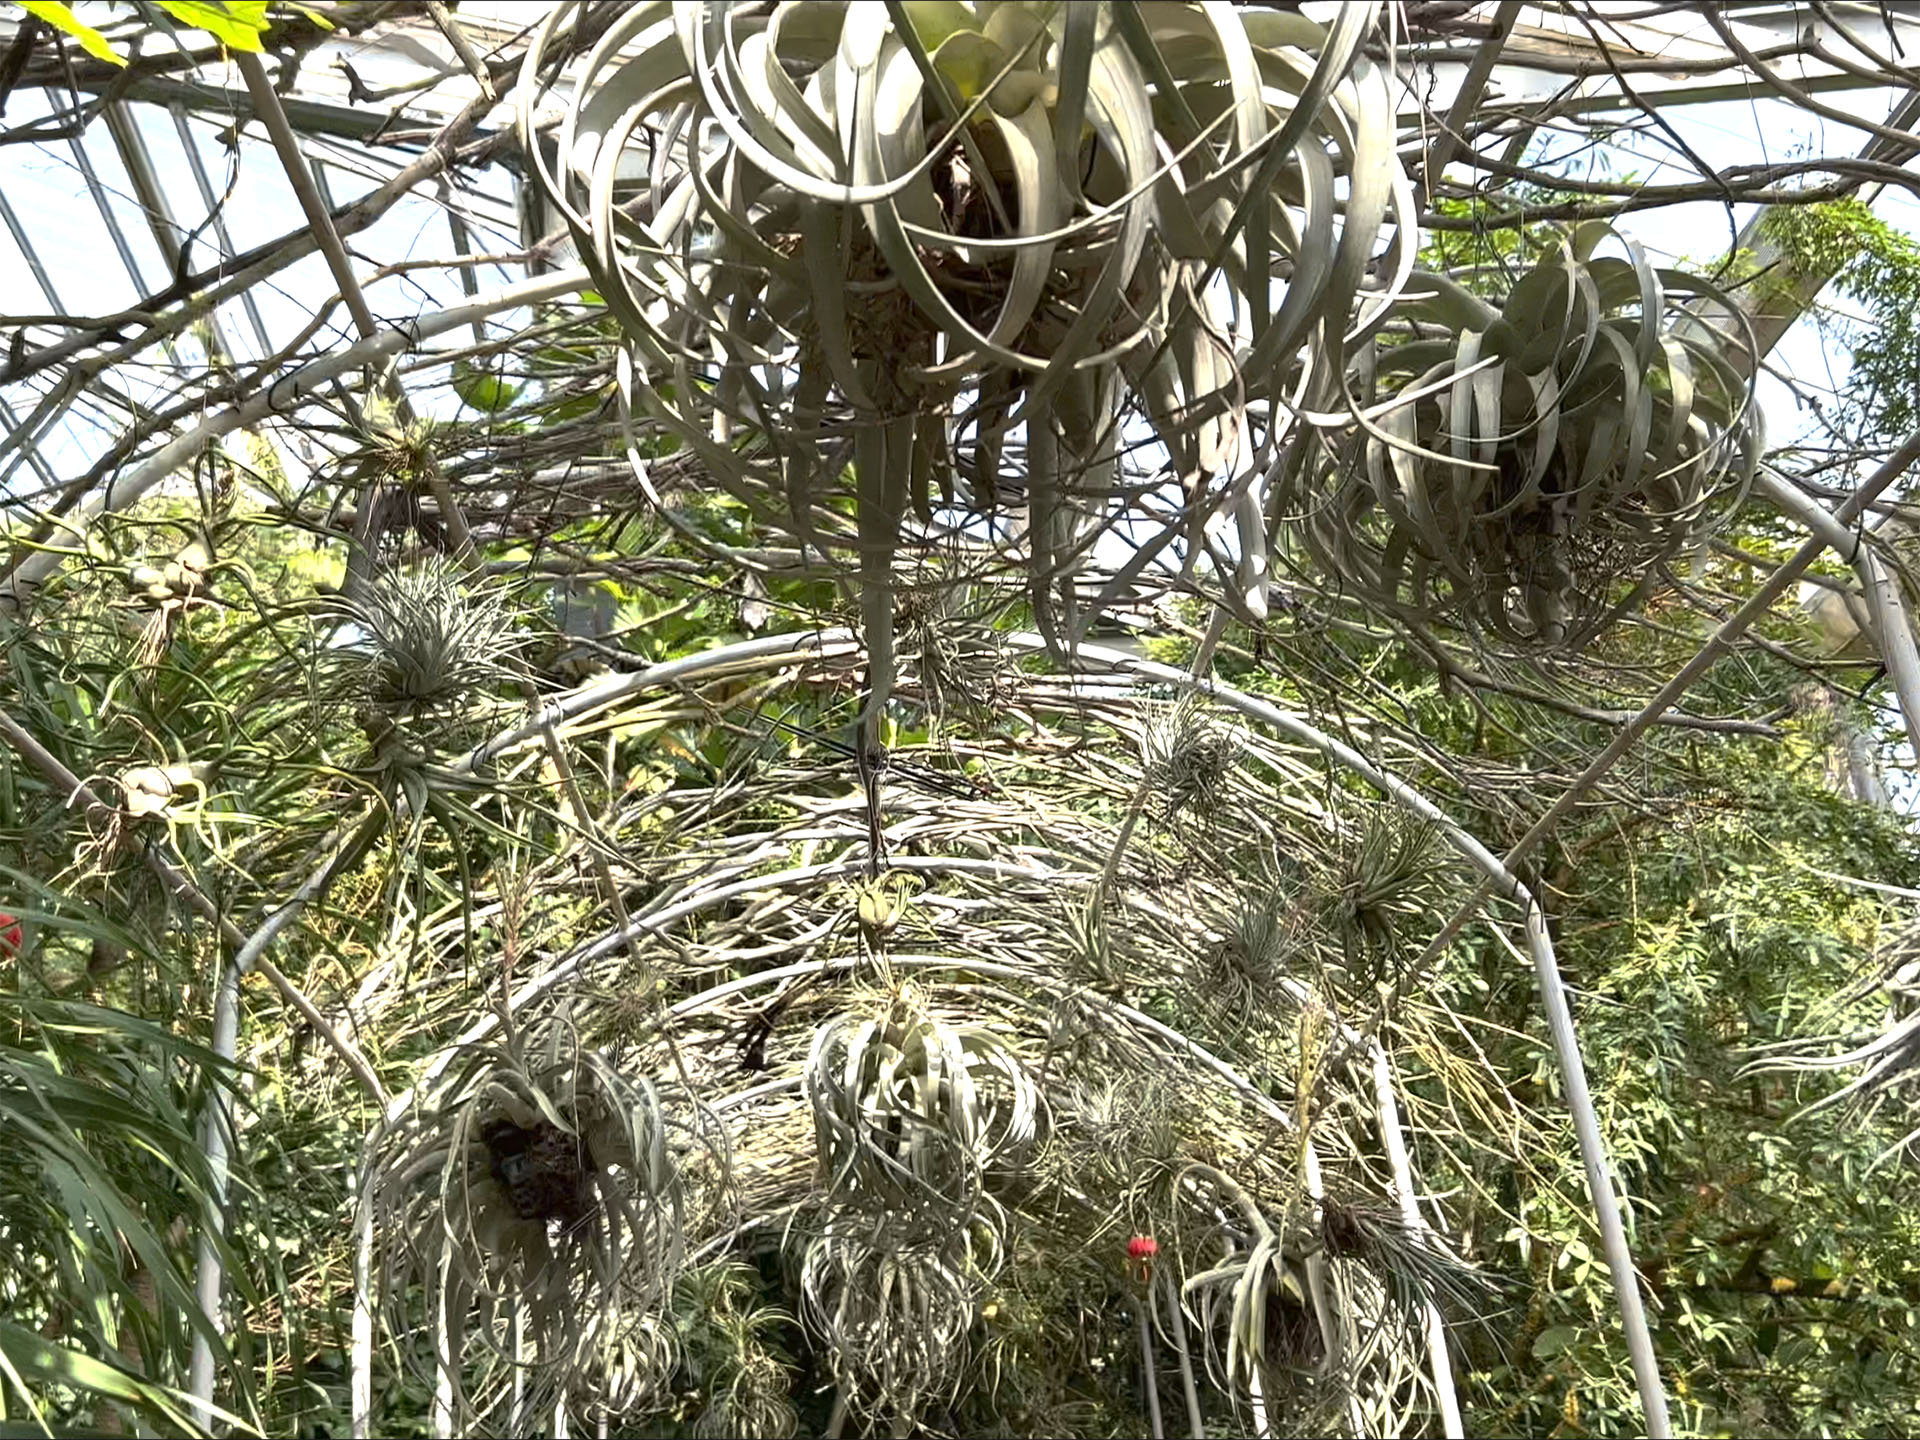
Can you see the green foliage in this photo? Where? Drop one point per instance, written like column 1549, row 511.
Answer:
column 726, row 1081
column 60, row 15
column 1875, row 264
column 1779, row 1261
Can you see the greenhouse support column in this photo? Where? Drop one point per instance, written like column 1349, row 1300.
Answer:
column 1396, row 1147
column 210, row 1274
column 1886, row 607
column 214, row 1128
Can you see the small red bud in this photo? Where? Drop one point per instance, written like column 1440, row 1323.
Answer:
column 1142, row 1247
column 10, row 935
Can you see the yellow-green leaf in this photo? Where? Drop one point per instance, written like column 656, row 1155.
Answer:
column 62, row 18
column 237, row 24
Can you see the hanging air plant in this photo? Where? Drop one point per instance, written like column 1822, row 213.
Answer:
column 1190, row 758
column 910, row 1113
column 1388, row 874
column 1270, row 1307
column 893, row 1321
column 426, row 652
column 429, row 640
column 911, row 237
column 535, row 1202
column 1529, row 471
column 913, row 1119
column 1243, row 971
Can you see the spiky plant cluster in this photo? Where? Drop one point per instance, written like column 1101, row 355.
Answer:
column 430, row 639
column 1387, row 874
column 533, row 1204
column 1122, row 1135
column 1414, row 1265
column 894, row 1322
column 1094, row 955
column 1190, row 758
column 957, row 667
column 1243, row 970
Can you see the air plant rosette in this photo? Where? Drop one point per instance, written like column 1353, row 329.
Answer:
column 1385, row 880
column 1190, row 759
column 534, row 1202
column 1526, row 472
column 1317, row 1304
column 427, row 653
column 1243, row 972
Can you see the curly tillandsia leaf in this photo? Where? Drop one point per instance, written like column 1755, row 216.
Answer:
column 1528, row 471
column 538, row 1179
column 916, row 232
column 1884, row 1058
column 629, row 1374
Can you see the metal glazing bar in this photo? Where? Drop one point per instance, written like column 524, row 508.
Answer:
column 11, row 421
column 200, row 178
column 98, row 191
column 167, row 233
column 40, row 276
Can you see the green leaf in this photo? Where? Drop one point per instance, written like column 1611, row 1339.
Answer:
column 482, row 389
column 62, row 18
column 27, row 1357
column 1554, row 1340
column 237, row 24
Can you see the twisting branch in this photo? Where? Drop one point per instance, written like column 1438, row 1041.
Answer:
column 301, row 179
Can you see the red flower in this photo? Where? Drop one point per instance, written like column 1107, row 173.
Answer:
column 10, row 936
column 1142, row 1247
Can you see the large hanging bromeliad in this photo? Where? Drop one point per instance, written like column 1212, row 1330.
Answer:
column 910, row 237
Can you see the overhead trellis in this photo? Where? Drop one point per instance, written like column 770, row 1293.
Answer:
column 909, row 1090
